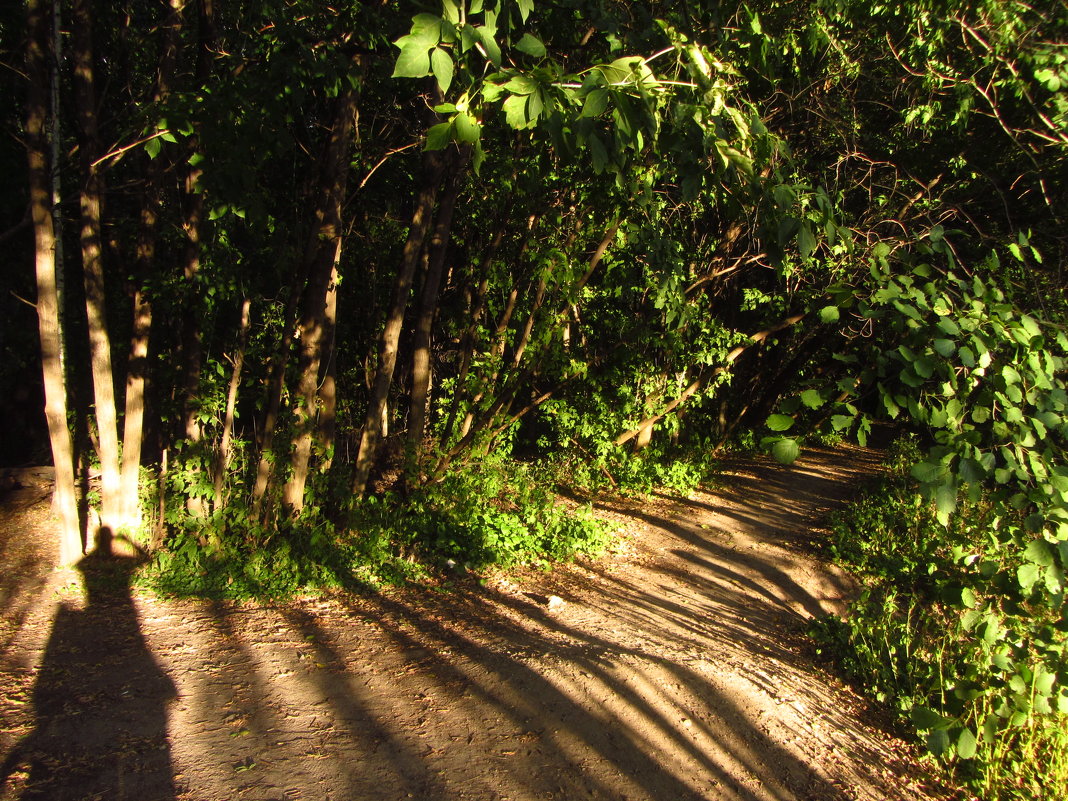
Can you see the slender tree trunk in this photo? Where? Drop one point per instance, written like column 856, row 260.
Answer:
column 56, row 141
column 137, row 368
column 323, row 252
column 48, row 319
column 134, row 417
column 222, row 461
column 191, row 336
column 500, row 340
column 437, row 250
column 192, row 224
column 705, row 376
column 387, row 349
column 327, row 424
column 478, row 308
column 93, row 268
column 275, row 387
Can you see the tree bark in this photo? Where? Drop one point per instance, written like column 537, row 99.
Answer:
column 437, row 250
column 93, row 268
column 192, row 224
column 327, row 424
column 275, row 386
column 322, row 254
column 70, row 545
column 222, row 460
column 147, row 236
column 387, row 349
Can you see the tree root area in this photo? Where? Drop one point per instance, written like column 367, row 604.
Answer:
column 674, row 668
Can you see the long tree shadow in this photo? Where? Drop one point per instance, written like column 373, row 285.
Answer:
column 100, row 699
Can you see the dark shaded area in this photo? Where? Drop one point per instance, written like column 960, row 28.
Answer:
column 99, row 701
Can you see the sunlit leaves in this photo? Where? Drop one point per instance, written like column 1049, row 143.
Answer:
column 415, row 47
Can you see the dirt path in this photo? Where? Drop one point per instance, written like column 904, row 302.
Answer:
column 673, row 669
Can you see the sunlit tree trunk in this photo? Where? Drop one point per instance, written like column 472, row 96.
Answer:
column 70, row 546
column 93, row 267
column 327, row 424
column 322, row 255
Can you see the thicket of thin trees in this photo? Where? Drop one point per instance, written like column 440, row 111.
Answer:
column 289, row 255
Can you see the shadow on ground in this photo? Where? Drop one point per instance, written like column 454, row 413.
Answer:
column 677, row 671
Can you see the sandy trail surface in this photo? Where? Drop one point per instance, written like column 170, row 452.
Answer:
column 674, row 668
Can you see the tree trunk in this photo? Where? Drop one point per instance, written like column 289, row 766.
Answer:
column 705, row 376
column 147, row 236
column 387, row 349
column 222, row 461
column 70, row 545
column 437, row 250
column 93, row 268
column 324, row 250
column 134, row 417
column 327, row 423
column 192, row 224
column 275, row 387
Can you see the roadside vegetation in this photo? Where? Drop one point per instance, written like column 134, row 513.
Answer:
column 959, row 628
column 319, row 295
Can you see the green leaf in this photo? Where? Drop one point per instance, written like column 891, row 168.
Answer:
column 806, row 242
column 830, row 314
column 522, row 85
column 947, row 326
column 441, row 64
column 595, row 104
column 928, row 472
column 525, row 7
column 597, row 153
column 1027, row 575
column 945, row 502
column 780, row 422
column 439, row 136
column 786, row 451
column 152, row 147
column 531, row 45
column 966, row 744
column 468, row 37
column 1039, row 552
column 493, row 50
column 924, row 719
column 944, row 347
column 938, row 742
column 413, row 61
column 840, row 422
column 812, row 398
column 467, row 129
column 924, row 367
column 515, row 112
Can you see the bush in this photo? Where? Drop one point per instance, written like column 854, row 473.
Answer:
column 961, row 628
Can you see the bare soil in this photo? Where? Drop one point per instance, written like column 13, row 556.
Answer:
column 674, row 668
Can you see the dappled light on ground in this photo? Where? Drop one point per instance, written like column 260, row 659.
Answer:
column 676, row 668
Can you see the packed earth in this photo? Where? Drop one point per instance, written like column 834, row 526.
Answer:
column 675, row 667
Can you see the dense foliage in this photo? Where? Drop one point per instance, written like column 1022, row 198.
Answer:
column 346, row 289
column 957, row 628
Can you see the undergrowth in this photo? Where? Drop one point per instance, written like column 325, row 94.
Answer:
column 499, row 513
column 962, row 630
